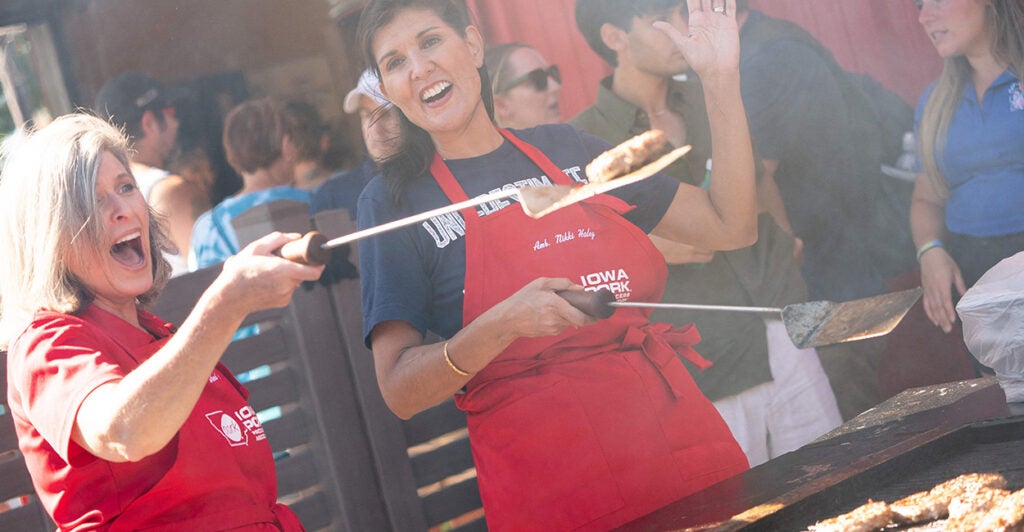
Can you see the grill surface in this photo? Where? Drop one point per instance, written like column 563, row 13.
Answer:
column 910, row 443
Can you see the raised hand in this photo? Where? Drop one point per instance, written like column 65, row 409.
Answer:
column 712, row 46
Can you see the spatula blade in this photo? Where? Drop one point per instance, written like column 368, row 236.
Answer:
column 540, row 201
column 819, row 323
column 537, row 200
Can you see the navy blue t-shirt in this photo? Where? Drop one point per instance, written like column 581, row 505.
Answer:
column 416, row 274
column 800, row 118
column 341, row 190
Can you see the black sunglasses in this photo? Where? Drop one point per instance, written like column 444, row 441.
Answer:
column 538, row 77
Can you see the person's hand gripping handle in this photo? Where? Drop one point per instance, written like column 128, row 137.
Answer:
column 307, row 250
column 594, row 304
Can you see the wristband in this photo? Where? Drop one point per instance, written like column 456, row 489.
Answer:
column 927, row 246
column 452, row 365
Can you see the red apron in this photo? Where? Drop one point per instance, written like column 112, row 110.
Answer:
column 222, row 476
column 599, row 425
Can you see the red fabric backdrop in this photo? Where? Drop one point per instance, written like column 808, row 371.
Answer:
column 879, row 37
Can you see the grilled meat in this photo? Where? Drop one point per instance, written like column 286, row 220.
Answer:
column 626, row 157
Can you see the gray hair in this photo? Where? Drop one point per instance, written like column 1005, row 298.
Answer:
column 47, row 212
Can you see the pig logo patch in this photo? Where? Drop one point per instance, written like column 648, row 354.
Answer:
column 236, row 427
column 228, row 427
column 1016, row 97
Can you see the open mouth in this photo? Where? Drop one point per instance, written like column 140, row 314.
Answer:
column 436, row 92
column 128, row 251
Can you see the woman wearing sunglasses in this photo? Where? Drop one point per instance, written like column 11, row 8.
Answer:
column 525, row 86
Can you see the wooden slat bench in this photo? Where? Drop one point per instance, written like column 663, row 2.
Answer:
column 20, row 510
column 424, row 464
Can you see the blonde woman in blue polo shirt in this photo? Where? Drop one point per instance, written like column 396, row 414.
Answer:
column 966, row 212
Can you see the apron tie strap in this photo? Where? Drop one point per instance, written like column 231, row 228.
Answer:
column 663, row 344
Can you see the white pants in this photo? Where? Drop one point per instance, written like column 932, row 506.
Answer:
column 796, row 407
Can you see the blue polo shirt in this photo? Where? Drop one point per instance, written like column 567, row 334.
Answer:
column 983, row 160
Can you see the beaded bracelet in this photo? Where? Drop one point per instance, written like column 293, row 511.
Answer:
column 931, row 244
column 448, row 359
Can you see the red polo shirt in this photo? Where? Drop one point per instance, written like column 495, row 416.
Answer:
column 216, row 473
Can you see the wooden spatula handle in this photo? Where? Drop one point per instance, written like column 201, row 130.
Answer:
column 594, row 304
column 307, row 250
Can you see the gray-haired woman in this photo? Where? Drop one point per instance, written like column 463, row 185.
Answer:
column 123, row 422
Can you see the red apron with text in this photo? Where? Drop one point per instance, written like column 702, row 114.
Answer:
column 221, row 452
column 599, row 425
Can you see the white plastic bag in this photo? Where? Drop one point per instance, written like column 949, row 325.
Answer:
column 992, row 312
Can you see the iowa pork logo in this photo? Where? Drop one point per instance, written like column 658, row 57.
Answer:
column 617, row 281
column 237, row 426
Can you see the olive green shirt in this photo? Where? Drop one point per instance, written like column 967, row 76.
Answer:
column 615, row 120
column 764, row 274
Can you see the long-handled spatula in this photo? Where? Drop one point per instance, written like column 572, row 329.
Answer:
column 536, row 201
column 810, row 324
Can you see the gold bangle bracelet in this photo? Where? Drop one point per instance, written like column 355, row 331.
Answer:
column 448, row 359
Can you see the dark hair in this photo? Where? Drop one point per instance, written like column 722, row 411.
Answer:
column 412, row 158
column 592, row 14
column 253, row 131
column 124, row 100
column 306, row 129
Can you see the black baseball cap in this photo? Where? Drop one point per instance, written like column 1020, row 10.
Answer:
column 124, row 99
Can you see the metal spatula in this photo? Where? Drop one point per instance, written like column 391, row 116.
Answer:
column 536, row 201
column 810, row 324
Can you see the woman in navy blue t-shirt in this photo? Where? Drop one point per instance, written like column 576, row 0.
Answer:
column 573, row 423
